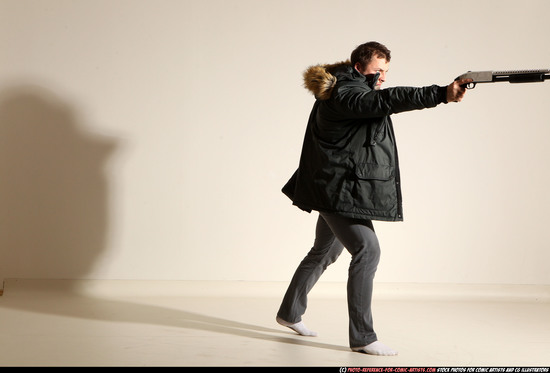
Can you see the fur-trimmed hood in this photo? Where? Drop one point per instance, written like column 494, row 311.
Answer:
column 319, row 79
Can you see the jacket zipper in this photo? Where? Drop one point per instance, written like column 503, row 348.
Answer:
column 397, row 176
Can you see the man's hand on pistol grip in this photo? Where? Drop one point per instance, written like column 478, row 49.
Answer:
column 457, row 89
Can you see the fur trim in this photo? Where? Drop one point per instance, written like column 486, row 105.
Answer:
column 319, row 80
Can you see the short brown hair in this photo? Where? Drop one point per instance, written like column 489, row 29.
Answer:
column 365, row 52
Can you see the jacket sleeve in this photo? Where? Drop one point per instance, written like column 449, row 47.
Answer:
column 363, row 102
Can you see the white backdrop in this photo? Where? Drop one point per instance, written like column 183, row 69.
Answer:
column 149, row 139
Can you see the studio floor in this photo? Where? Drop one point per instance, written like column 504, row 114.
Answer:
column 221, row 324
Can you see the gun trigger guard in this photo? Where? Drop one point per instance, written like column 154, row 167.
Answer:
column 470, row 85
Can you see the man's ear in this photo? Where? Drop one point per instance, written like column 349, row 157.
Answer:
column 358, row 67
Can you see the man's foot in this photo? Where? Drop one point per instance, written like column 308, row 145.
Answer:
column 298, row 327
column 376, row 348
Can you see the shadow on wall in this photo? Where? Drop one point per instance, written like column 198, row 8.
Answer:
column 53, row 189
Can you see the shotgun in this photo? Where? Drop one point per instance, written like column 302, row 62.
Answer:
column 512, row 76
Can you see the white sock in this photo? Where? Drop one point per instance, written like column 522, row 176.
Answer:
column 376, row 348
column 299, row 327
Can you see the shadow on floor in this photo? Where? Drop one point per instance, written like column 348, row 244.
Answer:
column 64, row 301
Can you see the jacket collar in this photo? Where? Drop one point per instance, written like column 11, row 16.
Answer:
column 321, row 79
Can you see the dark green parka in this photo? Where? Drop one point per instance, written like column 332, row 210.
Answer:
column 349, row 164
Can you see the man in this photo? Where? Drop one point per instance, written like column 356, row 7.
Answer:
column 349, row 173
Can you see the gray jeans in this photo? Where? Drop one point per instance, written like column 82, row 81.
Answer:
column 332, row 234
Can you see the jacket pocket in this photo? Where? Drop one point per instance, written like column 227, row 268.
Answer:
column 373, row 171
column 374, row 188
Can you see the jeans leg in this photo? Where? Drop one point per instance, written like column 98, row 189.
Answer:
column 324, row 252
column 360, row 240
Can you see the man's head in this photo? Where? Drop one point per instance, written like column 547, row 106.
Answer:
column 371, row 58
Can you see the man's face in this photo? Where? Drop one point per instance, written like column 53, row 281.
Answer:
column 376, row 65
